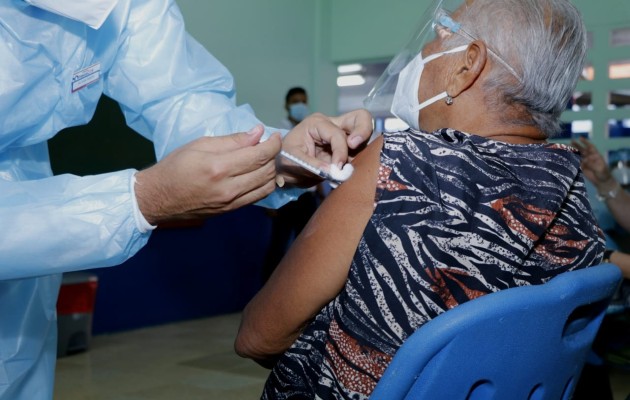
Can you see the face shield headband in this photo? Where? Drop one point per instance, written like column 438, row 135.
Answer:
column 436, row 23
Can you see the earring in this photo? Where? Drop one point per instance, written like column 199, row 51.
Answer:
column 448, row 100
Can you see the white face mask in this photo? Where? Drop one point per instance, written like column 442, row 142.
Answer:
column 405, row 104
column 91, row 12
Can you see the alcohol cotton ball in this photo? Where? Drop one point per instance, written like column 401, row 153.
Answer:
column 341, row 174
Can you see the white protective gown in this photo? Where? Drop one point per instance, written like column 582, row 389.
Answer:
column 171, row 90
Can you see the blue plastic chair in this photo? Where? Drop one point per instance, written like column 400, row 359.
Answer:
column 528, row 342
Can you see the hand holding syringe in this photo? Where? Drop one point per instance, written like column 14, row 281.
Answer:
column 335, row 176
column 331, row 135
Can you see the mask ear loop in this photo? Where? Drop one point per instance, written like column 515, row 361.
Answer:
column 432, row 100
column 442, row 95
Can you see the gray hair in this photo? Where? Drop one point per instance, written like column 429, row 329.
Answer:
column 544, row 41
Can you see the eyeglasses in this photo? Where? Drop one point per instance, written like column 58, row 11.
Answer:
column 445, row 26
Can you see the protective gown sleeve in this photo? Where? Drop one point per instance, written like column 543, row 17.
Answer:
column 171, row 89
column 63, row 223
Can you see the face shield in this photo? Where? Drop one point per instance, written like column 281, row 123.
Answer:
column 439, row 21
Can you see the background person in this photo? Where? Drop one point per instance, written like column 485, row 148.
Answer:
column 288, row 221
column 58, row 59
column 609, row 190
column 296, row 104
column 617, row 200
column 471, row 200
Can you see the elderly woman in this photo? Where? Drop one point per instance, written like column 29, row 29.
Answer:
column 470, row 200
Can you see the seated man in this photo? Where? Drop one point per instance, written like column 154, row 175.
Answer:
column 472, row 199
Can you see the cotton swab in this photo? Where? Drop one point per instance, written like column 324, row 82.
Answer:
column 336, row 174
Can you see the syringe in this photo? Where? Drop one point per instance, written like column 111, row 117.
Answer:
column 321, row 173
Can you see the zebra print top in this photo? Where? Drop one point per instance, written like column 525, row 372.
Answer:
column 456, row 216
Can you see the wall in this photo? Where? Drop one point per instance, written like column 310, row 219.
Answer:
column 267, row 45
column 604, row 12
column 600, row 20
column 375, row 30
column 372, row 30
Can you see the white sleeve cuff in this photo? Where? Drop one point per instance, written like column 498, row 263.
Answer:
column 141, row 223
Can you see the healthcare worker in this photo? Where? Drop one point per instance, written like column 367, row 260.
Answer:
column 58, row 57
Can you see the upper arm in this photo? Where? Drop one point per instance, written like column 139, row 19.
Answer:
column 316, row 267
column 170, row 88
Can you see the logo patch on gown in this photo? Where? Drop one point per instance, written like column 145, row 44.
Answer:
column 86, row 77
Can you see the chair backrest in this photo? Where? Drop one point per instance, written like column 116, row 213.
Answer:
column 527, row 342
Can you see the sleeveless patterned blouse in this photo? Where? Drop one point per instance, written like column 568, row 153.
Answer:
column 456, row 216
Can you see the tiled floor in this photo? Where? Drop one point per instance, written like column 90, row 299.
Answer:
column 186, row 361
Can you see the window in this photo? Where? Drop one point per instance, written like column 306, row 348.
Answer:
column 575, row 129
column 620, row 37
column 619, row 162
column 581, row 101
column 588, row 73
column 618, row 128
column 619, row 99
column 619, row 69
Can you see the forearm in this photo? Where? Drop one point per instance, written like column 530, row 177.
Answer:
column 186, row 93
column 67, row 223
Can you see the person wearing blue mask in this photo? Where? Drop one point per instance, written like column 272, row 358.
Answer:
column 58, row 58
column 296, row 104
column 288, row 221
column 470, row 200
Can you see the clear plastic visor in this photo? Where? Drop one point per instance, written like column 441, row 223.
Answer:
column 436, row 23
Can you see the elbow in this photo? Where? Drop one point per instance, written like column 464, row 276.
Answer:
column 262, row 338
column 251, row 345
column 243, row 345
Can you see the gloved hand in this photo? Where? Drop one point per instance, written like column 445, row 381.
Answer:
column 208, row 176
